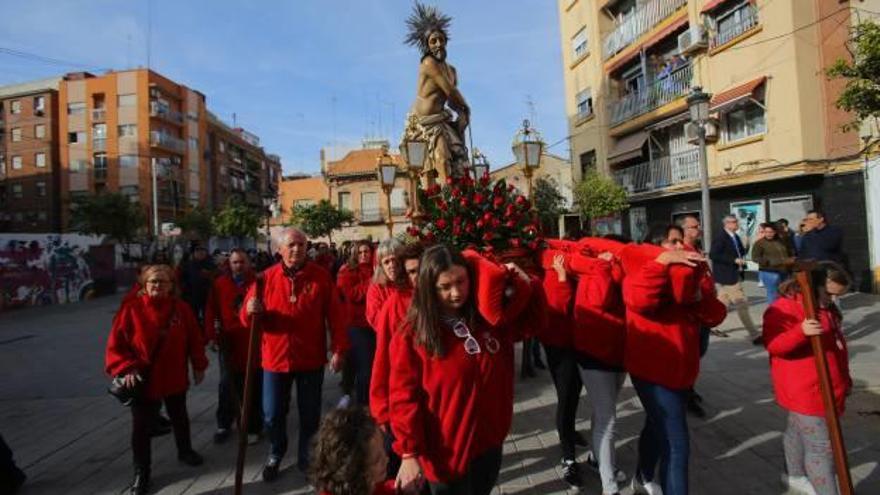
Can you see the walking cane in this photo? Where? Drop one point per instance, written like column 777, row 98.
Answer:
column 244, row 417
column 841, row 463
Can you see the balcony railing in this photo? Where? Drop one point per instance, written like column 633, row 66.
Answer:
column 640, row 22
column 660, row 173
column 746, row 19
column 167, row 141
column 658, row 93
column 99, row 144
column 100, row 174
column 99, row 115
column 157, row 110
column 370, row 216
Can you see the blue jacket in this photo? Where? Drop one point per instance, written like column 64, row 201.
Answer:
column 822, row 245
column 723, row 254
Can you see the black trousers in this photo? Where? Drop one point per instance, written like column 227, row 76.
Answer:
column 230, row 392
column 567, row 380
column 480, row 479
column 143, row 417
column 10, row 475
column 361, row 354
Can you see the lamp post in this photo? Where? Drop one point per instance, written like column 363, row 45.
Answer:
column 387, row 172
column 698, row 103
column 268, row 201
column 527, row 147
column 414, row 152
column 480, row 165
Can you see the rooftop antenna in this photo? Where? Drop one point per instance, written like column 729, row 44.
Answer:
column 149, row 30
column 234, row 120
column 530, row 103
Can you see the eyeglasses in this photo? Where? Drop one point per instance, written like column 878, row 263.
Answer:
column 471, row 346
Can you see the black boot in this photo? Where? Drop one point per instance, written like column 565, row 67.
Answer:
column 141, row 483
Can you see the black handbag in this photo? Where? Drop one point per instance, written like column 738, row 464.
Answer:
column 127, row 395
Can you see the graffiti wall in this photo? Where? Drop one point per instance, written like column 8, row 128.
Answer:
column 42, row 269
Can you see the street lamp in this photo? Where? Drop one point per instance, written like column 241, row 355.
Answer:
column 480, row 165
column 698, row 103
column 387, row 172
column 268, row 201
column 527, row 147
column 414, row 152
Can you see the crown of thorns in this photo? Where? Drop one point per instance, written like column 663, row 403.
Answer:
column 423, row 21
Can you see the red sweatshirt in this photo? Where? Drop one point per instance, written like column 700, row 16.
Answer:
column 353, row 284
column 559, row 298
column 134, row 335
column 449, row 410
column 792, row 366
column 377, row 294
column 663, row 336
column 295, row 331
column 229, row 297
column 383, row 488
column 388, row 322
column 599, row 313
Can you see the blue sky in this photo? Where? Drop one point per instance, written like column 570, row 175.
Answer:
column 306, row 74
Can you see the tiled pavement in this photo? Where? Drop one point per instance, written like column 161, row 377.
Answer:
column 72, row 438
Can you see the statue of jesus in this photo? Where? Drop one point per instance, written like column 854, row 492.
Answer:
column 437, row 97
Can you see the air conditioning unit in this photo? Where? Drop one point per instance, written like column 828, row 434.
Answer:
column 692, row 40
column 693, row 137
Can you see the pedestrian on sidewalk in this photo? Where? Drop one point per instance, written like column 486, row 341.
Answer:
column 773, row 259
column 728, row 268
column 808, row 456
column 452, row 374
column 821, row 241
column 196, row 276
column 227, row 335
column 354, row 281
column 152, row 343
column 298, row 305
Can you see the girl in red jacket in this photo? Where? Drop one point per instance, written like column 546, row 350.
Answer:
column 451, row 393
column 349, row 458
column 153, row 341
column 354, row 280
column 808, row 456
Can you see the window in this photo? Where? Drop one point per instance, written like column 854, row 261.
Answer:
column 16, row 162
column 16, row 191
column 734, row 21
column 128, row 161
column 76, row 137
column 370, row 207
column 131, row 192
column 40, row 159
column 579, row 44
column 16, row 134
column 128, row 130
column 40, row 131
column 345, row 201
column 100, row 166
column 41, row 189
column 15, row 107
column 588, row 162
column 746, row 121
column 222, row 146
column 39, row 105
column 398, row 201
column 78, row 166
column 98, row 101
column 193, row 144
column 76, row 108
column 584, row 104
column 126, row 100
column 99, row 131
column 41, row 216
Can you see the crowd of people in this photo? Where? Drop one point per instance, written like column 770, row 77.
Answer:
column 424, row 337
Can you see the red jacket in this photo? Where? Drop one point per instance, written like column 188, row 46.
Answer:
column 383, row 488
column 449, row 410
column 559, row 298
column 792, row 366
column 663, row 335
column 353, row 284
column 295, row 332
column 133, row 339
column 599, row 313
column 388, row 322
column 377, row 294
column 229, row 296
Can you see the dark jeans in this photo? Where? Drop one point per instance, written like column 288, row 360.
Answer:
column 230, row 393
column 567, row 380
column 143, row 418
column 276, row 404
column 393, row 459
column 10, row 475
column 363, row 349
column 479, row 480
column 664, row 438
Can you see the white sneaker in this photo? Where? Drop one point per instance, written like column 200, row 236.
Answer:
column 800, row 484
column 645, row 488
column 253, row 439
column 344, row 402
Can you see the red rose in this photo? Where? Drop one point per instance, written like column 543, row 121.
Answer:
column 480, row 223
column 464, row 202
column 515, row 243
column 510, row 187
column 484, row 180
column 478, row 198
column 429, row 236
column 498, row 202
column 456, row 221
column 509, row 211
column 469, row 228
column 441, row 224
column 456, row 192
column 533, row 245
column 496, row 223
column 487, row 217
column 456, row 230
column 520, row 200
column 450, row 181
column 510, row 224
column 413, row 231
column 442, row 205
column 487, row 236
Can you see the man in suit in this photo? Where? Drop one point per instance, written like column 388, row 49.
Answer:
column 728, row 264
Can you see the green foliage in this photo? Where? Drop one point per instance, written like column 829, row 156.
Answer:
column 597, row 196
column 549, row 202
column 237, row 219
column 320, row 219
column 108, row 214
column 198, row 223
column 861, row 95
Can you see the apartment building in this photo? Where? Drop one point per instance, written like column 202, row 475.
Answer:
column 29, row 161
column 776, row 145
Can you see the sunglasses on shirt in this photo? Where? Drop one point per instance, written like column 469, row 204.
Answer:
column 471, row 346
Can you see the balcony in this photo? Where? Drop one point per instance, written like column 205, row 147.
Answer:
column 660, row 173
column 734, row 24
column 657, row 93
column 638, row 23
column 163, row 112
column 100, row 174
column 99, row 144
column 167, row 141
column 371, row 216
column 99, row 115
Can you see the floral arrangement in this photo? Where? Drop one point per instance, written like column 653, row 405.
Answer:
column 467, row 213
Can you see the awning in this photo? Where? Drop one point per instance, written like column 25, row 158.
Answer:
column 736, row 94
column 627, row 148
column 653, row 40
column 710, row 5
column 671, row 121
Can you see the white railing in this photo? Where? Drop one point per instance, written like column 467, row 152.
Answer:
column 99, row 115
column 748, row 19
column 660, row 173
column 157, row 110
column 658, row 93
column 638, row 23
column 99, row 144
column 167, row 141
